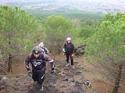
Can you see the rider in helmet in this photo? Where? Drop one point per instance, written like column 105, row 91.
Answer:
column 45, row 51
column 38, row 64
column 68, row 50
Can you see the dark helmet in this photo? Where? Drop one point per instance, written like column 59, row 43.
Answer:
column 36, row 50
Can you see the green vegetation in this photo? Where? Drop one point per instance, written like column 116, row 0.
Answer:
column 104, row 38
column 101, row 35
column 56, row 28
column 72, row 14
column 17, row 32
column 108, row 42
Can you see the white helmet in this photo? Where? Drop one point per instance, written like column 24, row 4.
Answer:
column 41, row 44
column 68, row 39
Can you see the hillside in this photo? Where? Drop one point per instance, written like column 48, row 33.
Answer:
column 96, row 41
column 65, row 80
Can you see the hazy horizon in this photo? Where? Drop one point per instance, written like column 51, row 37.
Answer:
column 84, row 5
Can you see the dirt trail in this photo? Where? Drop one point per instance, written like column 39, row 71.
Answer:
column 65, row 80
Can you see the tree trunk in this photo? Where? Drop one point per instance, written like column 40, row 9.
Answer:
column 118, row 78
column 10, row 55
column 10, row 63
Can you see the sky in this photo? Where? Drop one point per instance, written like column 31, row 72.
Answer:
column 66, row 1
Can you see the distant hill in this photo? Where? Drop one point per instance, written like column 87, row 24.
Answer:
column 100, row 6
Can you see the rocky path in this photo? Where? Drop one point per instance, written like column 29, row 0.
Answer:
column 65, row 80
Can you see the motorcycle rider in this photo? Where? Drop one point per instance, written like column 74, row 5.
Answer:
column 37, row 60
column 68, row 50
